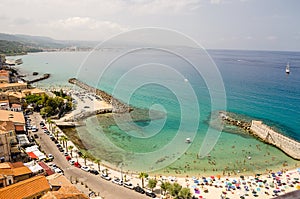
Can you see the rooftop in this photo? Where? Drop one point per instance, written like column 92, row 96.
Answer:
column 6, row 126
column 16, row 117
column 25, row 188
column 14, row 169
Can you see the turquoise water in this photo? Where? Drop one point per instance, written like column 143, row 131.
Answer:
column 255, row 85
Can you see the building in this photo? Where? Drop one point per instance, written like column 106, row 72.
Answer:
column 16, row 117
column 13, row 86
column 12, row 173
column 33, row 91
column 31, row 188
column 7, row 140
column 4, row 76
column 62, row 188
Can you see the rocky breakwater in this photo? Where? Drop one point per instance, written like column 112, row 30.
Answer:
column 118, row 106
column 268, row 135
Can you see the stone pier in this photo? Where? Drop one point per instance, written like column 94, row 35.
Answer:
column 268, row 135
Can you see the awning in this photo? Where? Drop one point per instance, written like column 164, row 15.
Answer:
column 32, row 155
column 19, row 127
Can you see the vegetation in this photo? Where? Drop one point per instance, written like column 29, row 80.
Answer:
column 50, row 106
column 176, row 190
column 152, row 184
column 71, row 150
column 16, row 48
column 142, row 176
column 98, row 162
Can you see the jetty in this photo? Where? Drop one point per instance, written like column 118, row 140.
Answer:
column 117, row 105
column 268, row 135
column 45, row 76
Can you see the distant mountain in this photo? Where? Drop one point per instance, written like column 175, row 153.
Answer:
column 45, row 42
column 16, row 48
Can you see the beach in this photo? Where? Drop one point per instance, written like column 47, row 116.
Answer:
column 230, row 155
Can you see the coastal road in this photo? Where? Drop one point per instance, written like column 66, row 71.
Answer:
column 107, row 189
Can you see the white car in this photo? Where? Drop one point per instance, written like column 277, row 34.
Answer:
column 85, row 168
column 72, row 162
column 50, row 156
column 128, row 185
column 58, row 170
column 117, row 181
column 105, row 176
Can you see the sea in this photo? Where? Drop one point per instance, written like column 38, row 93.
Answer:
column 187, row 85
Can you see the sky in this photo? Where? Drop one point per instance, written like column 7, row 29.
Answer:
column 215, row 24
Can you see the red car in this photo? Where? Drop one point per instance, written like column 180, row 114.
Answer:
column 68, row 158
column 76, row 164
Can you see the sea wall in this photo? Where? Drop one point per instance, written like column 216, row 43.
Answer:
column 268, row 135
column 118, row 106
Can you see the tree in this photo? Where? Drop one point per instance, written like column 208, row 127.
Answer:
column 185, row 193
column 98, row 162
column 142, row 176
column 152, row 184
column 165, row 186
column 71, row 148
column 50, row 122
column 175, row 189
column 56, row 134
column 84, row 155
column 65, row 141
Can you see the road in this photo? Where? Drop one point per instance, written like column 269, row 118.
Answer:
column 107, row 189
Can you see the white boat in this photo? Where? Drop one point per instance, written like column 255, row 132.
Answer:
column 188, row 140
column 287, row 68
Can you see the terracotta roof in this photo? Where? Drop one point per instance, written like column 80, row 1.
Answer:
column 25, row 188
column 67, row 189
column 58, row 195
column 7, row 126
column 33, row 91
column 15, row 169
column 16, row 117
column 16, row 94
column 4, row 85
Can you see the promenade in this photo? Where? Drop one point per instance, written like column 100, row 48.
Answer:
column 268, row 135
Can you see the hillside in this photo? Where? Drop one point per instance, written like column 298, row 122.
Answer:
column 16, row 48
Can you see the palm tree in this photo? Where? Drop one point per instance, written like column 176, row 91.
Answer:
column 143, row 175
column 50, row 122
column 65, row 141
column 98, row 161
column 84, row 155
column 56, row 134
column 71, row 148
column 165, row 186
column 152, row 184
column 185, row 193
column 175, row 189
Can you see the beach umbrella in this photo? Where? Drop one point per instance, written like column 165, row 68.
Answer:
column 298, row 170
column 298, row 187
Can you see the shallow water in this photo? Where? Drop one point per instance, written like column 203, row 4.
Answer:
column 255, row 84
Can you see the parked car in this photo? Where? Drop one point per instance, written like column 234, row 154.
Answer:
column 128, row 185
column 77, row 164
column 58, row 170
column 85, row 168
column 68, row 158
column 72, row 162
column 117, row 181
column 50, row 156
column 95, row 172
column 66, row 154
column 105, row 176
column 34, row 129
column 150, row 194
column 139, row 189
